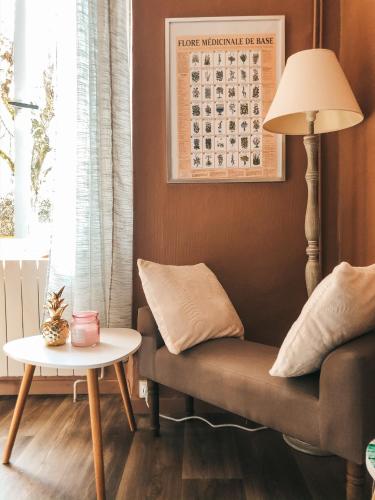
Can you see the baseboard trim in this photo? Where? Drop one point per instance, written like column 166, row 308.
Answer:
column 175, row 406
column 53, row 386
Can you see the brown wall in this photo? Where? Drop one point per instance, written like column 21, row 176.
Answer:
column 329, row 164
column 251, row 235
column 356, row 213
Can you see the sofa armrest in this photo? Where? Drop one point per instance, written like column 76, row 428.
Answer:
column 151, row 341
column 347, row 398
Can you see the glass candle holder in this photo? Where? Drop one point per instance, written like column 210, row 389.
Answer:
column 85, row 328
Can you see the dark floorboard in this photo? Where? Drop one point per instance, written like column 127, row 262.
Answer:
column 52, row 459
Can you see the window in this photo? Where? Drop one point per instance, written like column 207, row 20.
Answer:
column 37, row 71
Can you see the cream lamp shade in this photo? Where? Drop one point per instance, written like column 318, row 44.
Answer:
column 313, row 80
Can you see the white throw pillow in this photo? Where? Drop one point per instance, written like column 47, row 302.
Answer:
column 340, row 308
column 188, row 303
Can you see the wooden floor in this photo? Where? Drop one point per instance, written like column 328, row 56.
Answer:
column 52, row 459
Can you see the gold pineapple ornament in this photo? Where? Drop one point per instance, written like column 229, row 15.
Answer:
column 55, row 331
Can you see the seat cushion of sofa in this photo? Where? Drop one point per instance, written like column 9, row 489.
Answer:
column 233, row 374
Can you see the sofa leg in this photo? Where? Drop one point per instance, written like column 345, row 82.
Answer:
column 189, row 406
column 355, row 480
column 153, row 390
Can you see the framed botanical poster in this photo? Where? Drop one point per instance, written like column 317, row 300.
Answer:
column 221, row 76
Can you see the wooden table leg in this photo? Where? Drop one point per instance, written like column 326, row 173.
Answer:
column 18, row 410
column 120, row 373
column 96, row 431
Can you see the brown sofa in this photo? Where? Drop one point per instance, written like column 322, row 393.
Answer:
column 333, row 409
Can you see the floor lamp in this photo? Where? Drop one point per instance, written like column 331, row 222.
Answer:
column 313, row 97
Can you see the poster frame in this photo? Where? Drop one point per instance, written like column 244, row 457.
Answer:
column 224, row 26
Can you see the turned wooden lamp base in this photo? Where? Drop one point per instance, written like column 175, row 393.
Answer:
column 313, row 273
column 306, row 448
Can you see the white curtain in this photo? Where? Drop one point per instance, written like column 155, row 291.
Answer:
column 92, row 238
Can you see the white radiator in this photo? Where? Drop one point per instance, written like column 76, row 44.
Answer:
column 22, row 289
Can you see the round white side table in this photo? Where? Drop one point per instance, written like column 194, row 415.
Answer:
column 370, row 463
column 116, row 344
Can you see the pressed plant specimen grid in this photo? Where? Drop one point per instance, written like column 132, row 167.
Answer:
column 225, row 108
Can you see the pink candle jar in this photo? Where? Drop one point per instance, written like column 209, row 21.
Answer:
column 85, row 328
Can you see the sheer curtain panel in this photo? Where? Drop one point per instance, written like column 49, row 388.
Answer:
column 93, row 218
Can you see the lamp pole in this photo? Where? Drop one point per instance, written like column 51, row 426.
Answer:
column 312, row 219
column 313, row 274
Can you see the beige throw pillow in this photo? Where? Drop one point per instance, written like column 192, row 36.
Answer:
column 340, row 308
column 188, row 303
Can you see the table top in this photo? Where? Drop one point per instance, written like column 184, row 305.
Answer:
column 115, row 344
column 370, row 458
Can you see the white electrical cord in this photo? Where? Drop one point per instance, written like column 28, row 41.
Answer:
column 214, row 426
column 81, row 380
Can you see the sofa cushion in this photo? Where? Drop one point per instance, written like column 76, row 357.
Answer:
column 340, row 308
column 188, row 303
column 233, row 374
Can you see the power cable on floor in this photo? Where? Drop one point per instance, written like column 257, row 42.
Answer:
column 214, row 426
